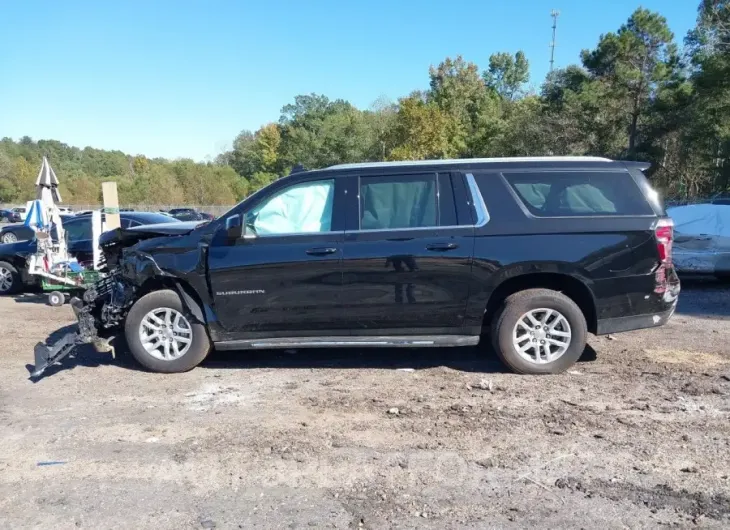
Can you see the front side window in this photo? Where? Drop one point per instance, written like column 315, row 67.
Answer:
column 300, row 209
column 556, row 194
column 398, row 203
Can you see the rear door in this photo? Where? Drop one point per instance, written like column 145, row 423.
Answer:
column 406, row 258
column 285, row 274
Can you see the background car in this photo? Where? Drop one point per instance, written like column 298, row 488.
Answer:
column 17, row 215
column 13, row 277
column 19, row 232
column 5, row 215
column 187, row 214
column 702, row 239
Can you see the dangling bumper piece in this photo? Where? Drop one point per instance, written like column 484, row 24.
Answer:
column 99, row 314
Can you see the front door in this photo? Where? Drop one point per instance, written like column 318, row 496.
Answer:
column 284, row 275
column 407, row 261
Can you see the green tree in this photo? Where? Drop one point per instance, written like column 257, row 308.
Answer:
column 633, row 64
column 507, row 74
column 241, row 158
column 381, row 119
column 317, row 132
column 423, row 131
column 458, row 90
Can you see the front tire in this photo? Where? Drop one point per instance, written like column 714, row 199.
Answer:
column 539, row 331
column 162, row 336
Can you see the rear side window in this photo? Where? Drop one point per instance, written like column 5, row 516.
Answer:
column 398, row 202
column 556, row 194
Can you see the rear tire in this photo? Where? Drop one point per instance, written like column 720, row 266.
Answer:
column 161, row 303
column 10, row 280
column 505, row 329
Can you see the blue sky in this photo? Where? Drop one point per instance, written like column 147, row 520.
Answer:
column 180, row 78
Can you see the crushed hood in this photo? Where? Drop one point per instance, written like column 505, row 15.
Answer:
column 129, row 236
column 114, row 241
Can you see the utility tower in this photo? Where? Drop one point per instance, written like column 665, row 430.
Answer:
column 555, row 14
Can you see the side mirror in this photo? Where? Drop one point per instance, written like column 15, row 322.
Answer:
column 234, row 228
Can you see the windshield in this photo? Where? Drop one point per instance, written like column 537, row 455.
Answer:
column 237, row 207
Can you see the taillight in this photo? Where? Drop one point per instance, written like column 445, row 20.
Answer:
column 664, row 233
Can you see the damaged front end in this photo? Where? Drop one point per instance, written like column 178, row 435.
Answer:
column 100, row 313
column 102, row 309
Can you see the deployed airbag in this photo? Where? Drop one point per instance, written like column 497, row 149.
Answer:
column 296, row 210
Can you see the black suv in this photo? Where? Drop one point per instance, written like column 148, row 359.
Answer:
column 532, row 253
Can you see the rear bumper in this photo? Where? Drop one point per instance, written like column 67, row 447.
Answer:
column 630, row 323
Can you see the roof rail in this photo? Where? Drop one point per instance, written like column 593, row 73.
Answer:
column 471, row 161
column 641, row 166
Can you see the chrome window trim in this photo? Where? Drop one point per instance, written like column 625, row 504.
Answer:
column 478, row 201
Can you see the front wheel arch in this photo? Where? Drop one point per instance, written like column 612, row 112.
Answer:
column 192, row 302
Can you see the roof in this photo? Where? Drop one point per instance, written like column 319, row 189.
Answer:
column 468, row 161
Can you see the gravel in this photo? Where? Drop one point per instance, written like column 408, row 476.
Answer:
column 635, row 435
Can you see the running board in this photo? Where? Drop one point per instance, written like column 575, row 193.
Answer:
column 416, row 341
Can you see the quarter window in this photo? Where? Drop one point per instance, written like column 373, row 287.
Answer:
column 300, row 209
column 393, row 203
column 556, row 194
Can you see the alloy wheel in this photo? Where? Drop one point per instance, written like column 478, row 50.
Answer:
column 541, row 335
column 6, row 280
column 165, row 334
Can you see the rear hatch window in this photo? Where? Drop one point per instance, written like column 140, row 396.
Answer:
column 578, row 194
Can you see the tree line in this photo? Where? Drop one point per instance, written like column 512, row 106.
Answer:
column 639, row 95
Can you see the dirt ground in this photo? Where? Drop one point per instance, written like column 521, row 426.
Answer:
column 636, row 435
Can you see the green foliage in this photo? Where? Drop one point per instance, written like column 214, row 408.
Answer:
column 507, row 74
column 139, row 179
column 423, row 131
column 632, row 97
column 632, row 65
